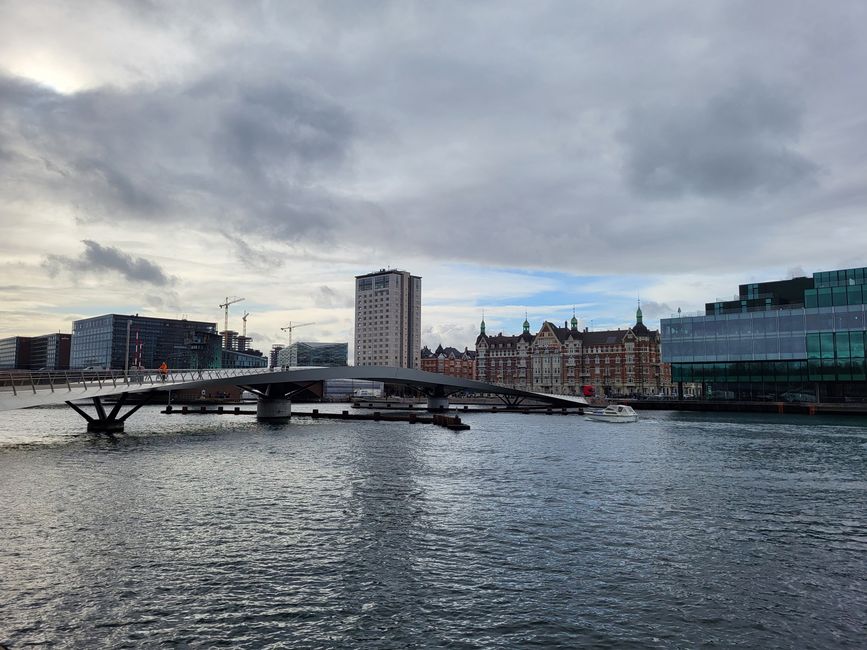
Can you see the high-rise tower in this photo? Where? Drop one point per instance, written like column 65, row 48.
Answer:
column 388, row 319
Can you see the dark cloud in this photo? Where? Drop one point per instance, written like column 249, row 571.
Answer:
column 253, row 151
column 327, row 297
column 735, row 143
column 493, row 133
column 97, row 259
column 256, row 259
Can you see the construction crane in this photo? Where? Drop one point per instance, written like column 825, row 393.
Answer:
column 244, row 318
column 225, row 305
column 291, row 326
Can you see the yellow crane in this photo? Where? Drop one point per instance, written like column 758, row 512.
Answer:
column 291, row 326
column 225, row 305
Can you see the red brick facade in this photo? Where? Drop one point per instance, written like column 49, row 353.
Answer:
column 449, row 361
column 566, row 359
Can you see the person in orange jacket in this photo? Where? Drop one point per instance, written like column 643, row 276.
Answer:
column 164, row 370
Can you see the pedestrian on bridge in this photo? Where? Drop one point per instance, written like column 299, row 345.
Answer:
column 164, row 370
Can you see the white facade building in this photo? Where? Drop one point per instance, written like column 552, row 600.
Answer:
column 388, row 319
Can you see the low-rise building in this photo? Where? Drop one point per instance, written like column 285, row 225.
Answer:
column 568, row 360
column 45, row 352
column 252, row 359
column 802, row 339
column 314, row 353
column 449, row 361
column 15, row 353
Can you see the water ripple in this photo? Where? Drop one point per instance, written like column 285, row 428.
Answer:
column 683, row 530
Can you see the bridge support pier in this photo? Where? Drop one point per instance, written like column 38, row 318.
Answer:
column 111, row 422
column 105, row 426
column 437, row 403
column 273, row 409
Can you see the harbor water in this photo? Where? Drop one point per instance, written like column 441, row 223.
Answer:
column 681, row 530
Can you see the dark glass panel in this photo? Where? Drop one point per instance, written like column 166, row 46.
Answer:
column 854, row 296
column 825, row 297
column 781, row 370
column 797, row 371
column 829, row 369
column 857, row 369
column 826, row 343
column 841, row 345
column 856, row 345
column 813, row 349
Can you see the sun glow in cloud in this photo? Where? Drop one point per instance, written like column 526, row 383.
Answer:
column 43, row 69
column 519, row 158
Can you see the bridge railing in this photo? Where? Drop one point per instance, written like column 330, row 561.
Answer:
column 16, row 382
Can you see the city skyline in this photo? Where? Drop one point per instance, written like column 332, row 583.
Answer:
column 158, row 158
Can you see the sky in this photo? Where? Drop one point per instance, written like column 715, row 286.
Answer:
column 522, row 157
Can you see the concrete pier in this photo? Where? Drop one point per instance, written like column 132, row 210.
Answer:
column 105, row 426
column 437, row 403
column 274, row 409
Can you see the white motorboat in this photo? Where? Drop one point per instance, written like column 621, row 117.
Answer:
column 613, row 413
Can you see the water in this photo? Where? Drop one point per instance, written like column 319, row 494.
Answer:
column 682, row 530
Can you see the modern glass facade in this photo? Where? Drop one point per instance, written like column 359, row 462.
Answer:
column 46, row 352
column 102, row 342
column 235, row 359
column 308, row 353
column 15, row 353
column 50, row 351
column 814, row 350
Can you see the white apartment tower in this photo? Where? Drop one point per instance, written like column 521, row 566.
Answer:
column 388, row 319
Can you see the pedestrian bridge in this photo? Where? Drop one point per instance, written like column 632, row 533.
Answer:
column 274, row 387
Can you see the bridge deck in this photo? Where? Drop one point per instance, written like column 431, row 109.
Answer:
column 21, row 389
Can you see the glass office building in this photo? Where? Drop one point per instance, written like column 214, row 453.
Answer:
column 15, row 353
column 113, row 340
column 46, row 352
column 766, row 345
column 236, row 359
column 310, row 353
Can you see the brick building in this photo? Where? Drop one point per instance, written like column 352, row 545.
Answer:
column 568, row 360
column 449, row 361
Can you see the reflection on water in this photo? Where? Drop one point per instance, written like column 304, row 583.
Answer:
column 680, row 530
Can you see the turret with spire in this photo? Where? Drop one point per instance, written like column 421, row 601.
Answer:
column 574, row 321
column 640, row 328
column 526, row 324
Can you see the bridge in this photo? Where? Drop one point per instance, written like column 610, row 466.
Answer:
column 274, row 389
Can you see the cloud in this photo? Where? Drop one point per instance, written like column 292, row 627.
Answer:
column 326, row 297
column 598, row 140
column 97, row 259
column 655, row 310
column 253, row 151
column 732, row 144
